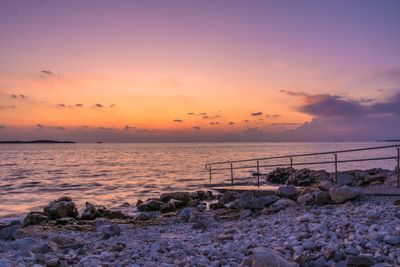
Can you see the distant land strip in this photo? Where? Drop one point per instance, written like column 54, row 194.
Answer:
column 37, row 142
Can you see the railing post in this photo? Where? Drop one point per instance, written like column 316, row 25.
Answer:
column 258, row 174
column 291, row 169
column 231, row 173
column 398, row 166
column 336, row 172
column 209, row 166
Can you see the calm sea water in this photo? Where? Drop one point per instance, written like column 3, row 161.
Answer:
column 31, row 175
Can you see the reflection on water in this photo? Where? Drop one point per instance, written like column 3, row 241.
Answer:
column 31, row 175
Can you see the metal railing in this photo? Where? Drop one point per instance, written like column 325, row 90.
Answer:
column 229, row 165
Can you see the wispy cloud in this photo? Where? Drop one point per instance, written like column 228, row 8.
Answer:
column 178, row 120
column 47, row 72
column 257, row 114
column 196, row 127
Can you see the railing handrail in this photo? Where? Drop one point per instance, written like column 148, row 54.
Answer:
column 209, row 168
column 301, row 155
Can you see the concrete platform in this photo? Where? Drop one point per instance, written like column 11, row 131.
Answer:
column 271, row 189
column 381, row 191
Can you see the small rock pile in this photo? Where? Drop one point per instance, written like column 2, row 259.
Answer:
column 307, row 177
column 302, row 177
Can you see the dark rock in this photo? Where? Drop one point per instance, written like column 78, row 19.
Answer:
column 182, row 196
column 68, row 242
column 235, row 204
column 322, row 198
column 35, row 218
column 177, row 203
column 193, row 203
column 114, row 214
column 45, row 248
column 63, row 207
column 258, row 202
column 151, row 205
column 281, row 204
column 65, row 221
column 90, row 212
column 118, row 247
column 185, row 213
column 344, row 193
column 287, row 191
column 345, row 178
column 8, row 231
column 264, row 257
column 326, row 185
column 362, row 261
column 168, row 207
column 305, row 200
column 108, row 231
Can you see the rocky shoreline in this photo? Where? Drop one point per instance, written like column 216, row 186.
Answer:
column 321, row 224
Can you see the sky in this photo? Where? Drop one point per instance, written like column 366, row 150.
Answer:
column 194, row 71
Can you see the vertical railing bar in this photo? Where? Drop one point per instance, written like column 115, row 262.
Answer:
column 232, row 173
column 291, row 169
column 336, row 169
column 210, row 172
column 258, row 174
column 398, row 166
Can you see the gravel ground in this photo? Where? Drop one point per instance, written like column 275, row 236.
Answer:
column 360, row 233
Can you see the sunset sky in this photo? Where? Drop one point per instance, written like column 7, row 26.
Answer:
column 154, row 71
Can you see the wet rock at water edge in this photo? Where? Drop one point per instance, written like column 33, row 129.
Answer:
column 168, row 207
column 151, row 205
column 90, row 212
column 181, row 196
column 35, row 218
column 63, row 207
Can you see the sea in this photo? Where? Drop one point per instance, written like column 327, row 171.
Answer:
column 32, row 175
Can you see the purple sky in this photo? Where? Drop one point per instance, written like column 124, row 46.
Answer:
column 153, row 71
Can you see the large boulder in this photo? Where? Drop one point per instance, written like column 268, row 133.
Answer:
column 344, row 193
column 60, row 208
column 281, row 204
column 264, row 257
column 181, row 196
column 287, row 191
column 7, row 231
column 35, row 218
column 90, row 212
